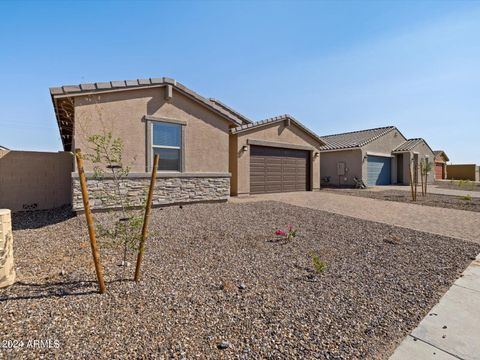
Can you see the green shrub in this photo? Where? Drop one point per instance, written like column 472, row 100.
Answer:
column 467, row 197
column 318, row 264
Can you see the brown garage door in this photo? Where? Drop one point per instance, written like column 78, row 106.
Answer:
column 438, row 171
column 278, row 170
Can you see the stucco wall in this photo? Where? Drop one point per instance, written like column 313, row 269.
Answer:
column 278, row 133
column 463, row 172
column 35, row 180
column 353, row 166
column 383, row 146
column 206, row 133
column 424, row 152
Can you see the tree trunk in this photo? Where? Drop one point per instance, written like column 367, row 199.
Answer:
column 426, row 182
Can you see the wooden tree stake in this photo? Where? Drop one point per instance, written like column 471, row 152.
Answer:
column 146, row 219
column 411, row 180
column 91, row 227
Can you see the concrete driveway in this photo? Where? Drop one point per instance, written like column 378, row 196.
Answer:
column 448, row 222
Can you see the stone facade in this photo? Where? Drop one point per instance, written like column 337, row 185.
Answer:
column 182, row 188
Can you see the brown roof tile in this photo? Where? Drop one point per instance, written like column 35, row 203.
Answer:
column 354, row 139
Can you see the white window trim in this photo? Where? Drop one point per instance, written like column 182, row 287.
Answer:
column 151, row 146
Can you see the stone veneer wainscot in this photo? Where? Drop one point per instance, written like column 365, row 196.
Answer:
column 170, row 188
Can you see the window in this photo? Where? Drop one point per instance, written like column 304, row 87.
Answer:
column 167, row 142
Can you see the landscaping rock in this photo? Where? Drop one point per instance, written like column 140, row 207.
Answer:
column 369, row 297
column 223, row 345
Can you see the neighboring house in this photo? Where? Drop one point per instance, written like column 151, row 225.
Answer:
column 441, row 159
column 208, row 151
column 379, row 156
column 4, row 148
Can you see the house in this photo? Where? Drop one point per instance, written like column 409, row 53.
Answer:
column 208, row 151
column 441, row 159
column 379, row 156
column 3, row 148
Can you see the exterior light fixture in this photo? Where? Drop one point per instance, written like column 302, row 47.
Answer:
column 244, row 148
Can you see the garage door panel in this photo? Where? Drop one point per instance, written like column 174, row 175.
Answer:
column 278, row 170
column 438, row 171
column 379, row 170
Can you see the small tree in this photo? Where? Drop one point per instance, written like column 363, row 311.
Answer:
column 106, row 155
column 426, row 167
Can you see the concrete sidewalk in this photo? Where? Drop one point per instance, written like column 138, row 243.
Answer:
column 432, row 189
column 451, row 330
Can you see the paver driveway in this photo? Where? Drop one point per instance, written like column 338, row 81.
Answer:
column 432, row 189
column 447, row 222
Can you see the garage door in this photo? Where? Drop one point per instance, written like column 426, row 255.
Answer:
column 275, row 170
column 379, row 170
column 438, row 171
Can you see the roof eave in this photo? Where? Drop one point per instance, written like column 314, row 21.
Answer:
column 115, row 86
column 266, row 122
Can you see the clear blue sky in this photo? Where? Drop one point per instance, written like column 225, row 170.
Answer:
column 335, row 66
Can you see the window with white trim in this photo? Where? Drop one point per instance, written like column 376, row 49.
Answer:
column 167, row 142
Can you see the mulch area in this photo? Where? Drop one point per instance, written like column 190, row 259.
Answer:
column 218, row 284
column 443, row 201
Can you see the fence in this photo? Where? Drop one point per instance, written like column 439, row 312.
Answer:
column 463, row 172
column 35, row 180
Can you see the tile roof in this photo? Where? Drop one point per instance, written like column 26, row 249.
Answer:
column 408, row 145
column 354, row 139
column 63, row 106
column 272, row 120
column 440, row 152
column 234, row 112
column 82, row 89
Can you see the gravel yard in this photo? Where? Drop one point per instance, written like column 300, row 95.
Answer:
column 443, row 201
column 215, row 276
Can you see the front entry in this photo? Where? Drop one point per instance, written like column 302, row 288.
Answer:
column 274, row 170
column 400, row 169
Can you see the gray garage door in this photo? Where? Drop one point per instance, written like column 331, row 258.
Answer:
column 275, row 170
column 379, row 170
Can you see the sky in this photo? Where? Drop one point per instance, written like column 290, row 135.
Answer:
column 334, row 65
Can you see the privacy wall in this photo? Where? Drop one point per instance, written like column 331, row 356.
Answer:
column 35, row 180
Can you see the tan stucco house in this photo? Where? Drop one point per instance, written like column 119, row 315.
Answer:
column 379, row 156
column 208, row 151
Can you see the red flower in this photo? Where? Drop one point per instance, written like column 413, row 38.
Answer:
column 280, row 232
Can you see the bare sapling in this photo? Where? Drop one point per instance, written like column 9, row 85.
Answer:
column 426, row 168
column 106, row 156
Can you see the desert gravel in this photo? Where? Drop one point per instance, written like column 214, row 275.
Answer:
column 217, row 284
column 436, row 200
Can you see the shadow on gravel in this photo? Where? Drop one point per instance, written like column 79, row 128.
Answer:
column 24, row 220
column 29, row 291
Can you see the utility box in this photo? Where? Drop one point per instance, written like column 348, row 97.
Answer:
column 7, row 268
